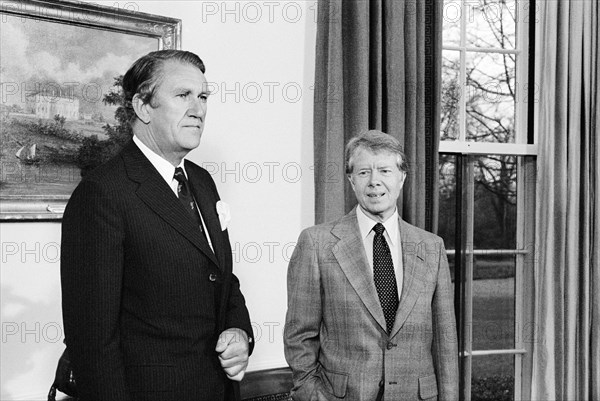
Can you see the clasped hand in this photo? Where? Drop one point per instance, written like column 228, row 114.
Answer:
column 232, row 347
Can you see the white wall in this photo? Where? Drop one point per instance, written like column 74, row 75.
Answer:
column 30, row 309
column 257, row 142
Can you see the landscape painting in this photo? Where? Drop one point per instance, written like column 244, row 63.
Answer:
column 61, row 110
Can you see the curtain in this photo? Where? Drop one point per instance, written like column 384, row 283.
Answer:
column 378, row 66
column 566, row 350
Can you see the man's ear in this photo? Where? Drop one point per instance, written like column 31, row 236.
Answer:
column 349, row 176
column 140, row 108
column 403, row 179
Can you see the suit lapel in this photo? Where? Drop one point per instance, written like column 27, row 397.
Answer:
column 356, row 268
column 207, row 203
column 412, row 258
column 156, row 193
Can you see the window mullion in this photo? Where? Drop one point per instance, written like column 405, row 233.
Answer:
column 482, row 49
column 521, row 78
column 467, row 255
column 527, row 333
column 462, row 110
column 520, row 240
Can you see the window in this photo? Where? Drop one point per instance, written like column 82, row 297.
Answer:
column 487, row 187
column 487, row 226
column 485, row 95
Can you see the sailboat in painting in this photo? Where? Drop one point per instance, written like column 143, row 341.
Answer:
column 26, row 153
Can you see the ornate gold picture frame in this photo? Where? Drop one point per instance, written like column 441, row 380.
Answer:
column 60, row 66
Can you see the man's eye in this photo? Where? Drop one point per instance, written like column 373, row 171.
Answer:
column 363, row 173
column 184, row 94
column 203, row 97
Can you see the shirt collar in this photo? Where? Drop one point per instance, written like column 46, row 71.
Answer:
column 164, row 168
column 366, row 224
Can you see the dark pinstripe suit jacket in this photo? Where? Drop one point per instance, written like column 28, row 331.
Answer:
column 144, row 297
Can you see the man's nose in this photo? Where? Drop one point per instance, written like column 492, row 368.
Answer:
column 374, row 178
column 197, row 108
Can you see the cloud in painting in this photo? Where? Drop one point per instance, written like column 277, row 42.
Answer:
column 13, row 48
column 36, row 53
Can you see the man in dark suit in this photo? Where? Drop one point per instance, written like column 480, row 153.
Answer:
column 151, row 308
column 370, row 307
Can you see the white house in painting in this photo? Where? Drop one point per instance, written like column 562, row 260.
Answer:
column 47, row 106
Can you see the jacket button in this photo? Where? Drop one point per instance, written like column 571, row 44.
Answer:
column 212, row 277
column 390, row 345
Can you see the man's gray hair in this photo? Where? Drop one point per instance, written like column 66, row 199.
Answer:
column 375, row 141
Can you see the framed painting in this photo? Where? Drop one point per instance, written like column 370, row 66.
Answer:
column 60, row 75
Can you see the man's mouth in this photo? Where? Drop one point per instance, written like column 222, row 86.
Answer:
column 193, row 124
column 376, row 195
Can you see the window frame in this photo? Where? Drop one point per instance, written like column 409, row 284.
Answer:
column 524, row 144
column 526, row 149
column 525, row 258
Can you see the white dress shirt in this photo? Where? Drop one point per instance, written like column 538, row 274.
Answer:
column 392, row 237
column 167, row 172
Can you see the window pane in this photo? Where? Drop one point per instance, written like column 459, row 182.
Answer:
column 451, row 95
column 494, row 228
column 494, row 302
column 491, row 23
column 493, row 378
column 447, row 205
column 490, row 97
column 452, row 15
column 495, row 215
column 447, row 199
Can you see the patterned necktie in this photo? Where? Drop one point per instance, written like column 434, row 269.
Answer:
column 384, row 277
column 186, row 198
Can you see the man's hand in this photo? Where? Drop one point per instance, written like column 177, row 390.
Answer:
column 233, row 349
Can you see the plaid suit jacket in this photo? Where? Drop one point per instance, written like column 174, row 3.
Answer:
column 335, row 337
